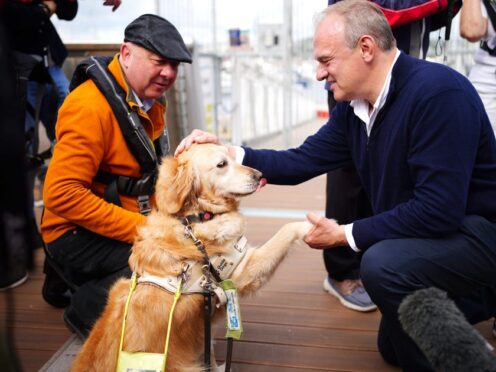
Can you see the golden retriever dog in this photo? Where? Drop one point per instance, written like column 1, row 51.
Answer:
column 202, row 180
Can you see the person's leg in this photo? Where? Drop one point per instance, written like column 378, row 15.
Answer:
column 461, row 264
column 60, row 82
column 93, row 263
column 49, row 111
column 53, row 99
column 346, row 201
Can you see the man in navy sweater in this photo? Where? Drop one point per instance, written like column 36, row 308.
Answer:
column 423, row 146
column 346, row 200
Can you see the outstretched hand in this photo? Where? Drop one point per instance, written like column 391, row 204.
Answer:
column 325, row 232
column 196, row 136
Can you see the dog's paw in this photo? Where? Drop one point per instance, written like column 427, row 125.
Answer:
column 300, row 229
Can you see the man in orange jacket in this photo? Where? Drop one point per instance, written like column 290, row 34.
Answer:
column 86, row 233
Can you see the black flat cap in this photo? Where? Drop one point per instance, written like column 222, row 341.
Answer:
column 159, row 36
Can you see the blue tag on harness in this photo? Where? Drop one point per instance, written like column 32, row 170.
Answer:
column 233, row 313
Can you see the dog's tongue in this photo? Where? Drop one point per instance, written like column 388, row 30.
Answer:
column 261, row 183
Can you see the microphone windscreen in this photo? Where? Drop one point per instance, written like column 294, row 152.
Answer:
column 443, row 334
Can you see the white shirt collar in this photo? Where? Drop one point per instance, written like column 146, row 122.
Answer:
column 361, row 106
column 144, row 105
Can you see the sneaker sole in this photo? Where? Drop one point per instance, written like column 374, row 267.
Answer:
column 349, row 305
column 15, row 284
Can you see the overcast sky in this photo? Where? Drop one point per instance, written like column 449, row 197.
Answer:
column 96, row 23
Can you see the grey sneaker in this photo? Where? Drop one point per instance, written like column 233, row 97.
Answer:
column 358, row 299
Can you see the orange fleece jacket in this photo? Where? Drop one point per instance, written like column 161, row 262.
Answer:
column 89, row 139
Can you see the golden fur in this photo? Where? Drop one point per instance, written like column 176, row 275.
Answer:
column 204, row 178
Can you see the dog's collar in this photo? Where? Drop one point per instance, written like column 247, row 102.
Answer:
column 200, row 217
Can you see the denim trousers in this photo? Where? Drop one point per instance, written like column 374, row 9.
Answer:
column 462, row 264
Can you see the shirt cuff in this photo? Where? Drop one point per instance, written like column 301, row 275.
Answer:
column 348, row 230
column 240, row 154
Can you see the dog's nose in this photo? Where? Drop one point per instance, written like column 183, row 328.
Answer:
column 257, row 175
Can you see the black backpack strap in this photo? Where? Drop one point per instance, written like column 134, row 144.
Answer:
column 142, row 188
column 110, row 193
column 133, row 131
column 135, row 135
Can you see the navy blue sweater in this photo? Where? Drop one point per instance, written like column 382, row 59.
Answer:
column 430, row 159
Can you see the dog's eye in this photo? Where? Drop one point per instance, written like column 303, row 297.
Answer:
column 222, row 164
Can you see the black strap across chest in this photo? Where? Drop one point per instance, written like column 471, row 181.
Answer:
column 146, row 152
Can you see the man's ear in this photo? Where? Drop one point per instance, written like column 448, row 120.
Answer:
column 125, row 52
column 367, row 46
column 174, row 185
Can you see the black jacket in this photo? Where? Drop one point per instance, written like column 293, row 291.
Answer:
column 30, row 30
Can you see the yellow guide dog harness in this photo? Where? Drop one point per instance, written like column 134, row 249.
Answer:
column 195, row 278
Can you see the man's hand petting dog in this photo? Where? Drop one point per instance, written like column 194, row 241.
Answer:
column 196, row 136
column 199, row 136
column 325, row 232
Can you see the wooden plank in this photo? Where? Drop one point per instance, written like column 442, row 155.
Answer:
column 303, row 357
column 311, row 318
column 26, row 317
column 305, row 336
column 49, row 339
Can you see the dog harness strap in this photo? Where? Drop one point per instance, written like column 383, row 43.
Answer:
column 131, row 290
column 193, row 278
column 207, row 310
column 209, row 269
column 225, row 264
column 177, row 295
column 189, row 284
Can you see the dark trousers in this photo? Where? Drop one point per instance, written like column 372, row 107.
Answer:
column 346, row 202
column 462, row 264
column 93, row 263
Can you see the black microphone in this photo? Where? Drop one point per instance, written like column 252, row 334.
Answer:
column 443, row 334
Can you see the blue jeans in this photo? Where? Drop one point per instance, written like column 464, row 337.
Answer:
column 49, row 105
column 462, row 264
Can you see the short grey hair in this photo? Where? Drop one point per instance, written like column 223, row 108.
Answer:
column 361, row 17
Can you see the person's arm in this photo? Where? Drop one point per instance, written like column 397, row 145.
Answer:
column 77, row 157
column 321, row 152
column 473, row 25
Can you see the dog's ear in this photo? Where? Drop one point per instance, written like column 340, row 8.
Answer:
column 174, row 185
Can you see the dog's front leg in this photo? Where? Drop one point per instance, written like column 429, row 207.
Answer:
column 259, row 264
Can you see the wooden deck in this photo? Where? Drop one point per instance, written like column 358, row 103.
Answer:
column 291, row 325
